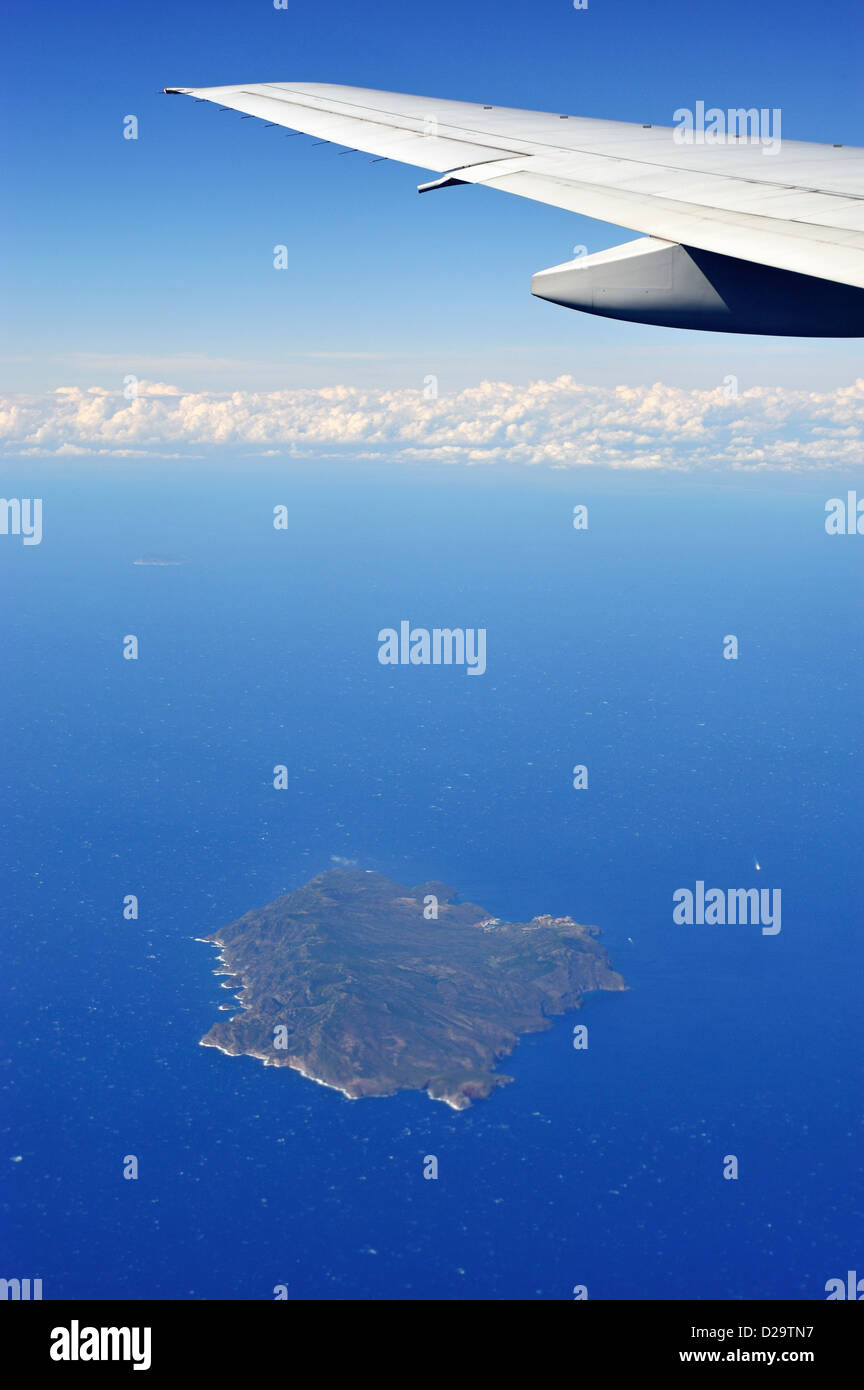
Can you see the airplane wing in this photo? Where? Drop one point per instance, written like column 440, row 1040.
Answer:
column 754, row 234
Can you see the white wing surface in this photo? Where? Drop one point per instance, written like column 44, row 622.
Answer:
column 790, row 206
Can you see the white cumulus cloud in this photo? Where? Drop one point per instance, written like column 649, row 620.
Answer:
column 549, row 424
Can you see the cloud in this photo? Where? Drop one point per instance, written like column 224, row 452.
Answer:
column 557, row 424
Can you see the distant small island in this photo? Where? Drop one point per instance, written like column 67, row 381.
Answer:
column 346, row 981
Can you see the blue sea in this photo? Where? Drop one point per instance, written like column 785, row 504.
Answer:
column 601, row 1168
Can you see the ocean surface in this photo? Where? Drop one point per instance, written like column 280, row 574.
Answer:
column 601, row 1168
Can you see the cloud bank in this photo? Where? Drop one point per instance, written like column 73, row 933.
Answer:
column 547, row 424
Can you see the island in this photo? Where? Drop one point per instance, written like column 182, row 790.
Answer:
column 371, row 987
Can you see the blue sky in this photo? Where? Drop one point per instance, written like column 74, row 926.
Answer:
column 154, row 257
